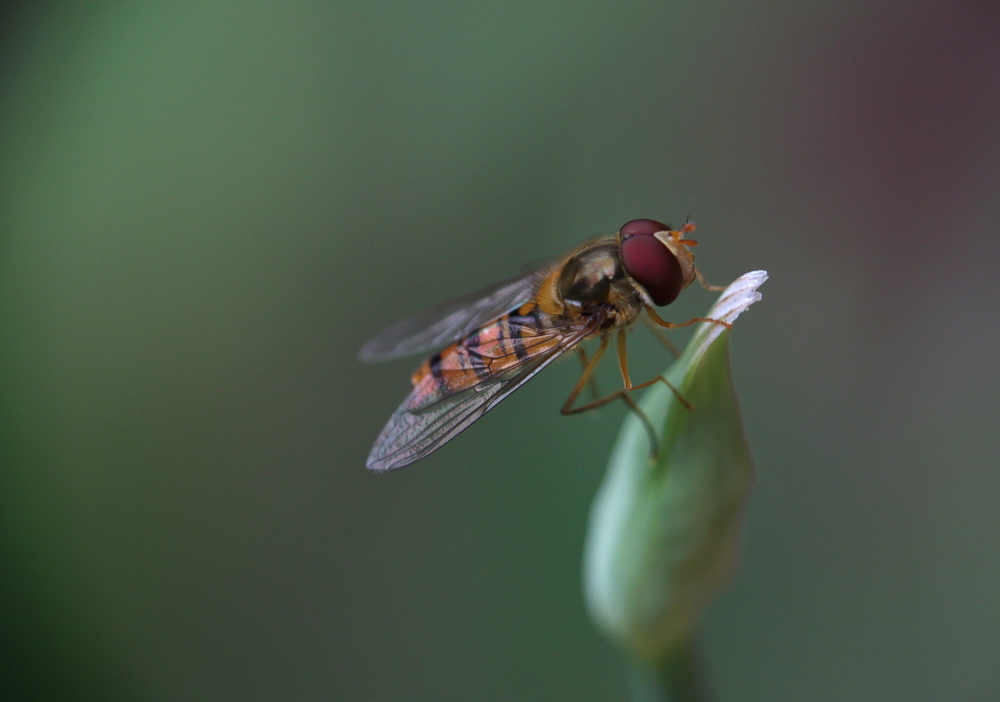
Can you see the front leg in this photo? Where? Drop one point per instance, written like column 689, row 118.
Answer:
column 704, row 283
column 672, row 325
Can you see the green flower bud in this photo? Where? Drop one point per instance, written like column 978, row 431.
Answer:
column 664, row 530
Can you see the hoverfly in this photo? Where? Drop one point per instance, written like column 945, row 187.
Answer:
column 500, row 337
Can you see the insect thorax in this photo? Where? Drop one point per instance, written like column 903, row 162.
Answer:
column 593, row 281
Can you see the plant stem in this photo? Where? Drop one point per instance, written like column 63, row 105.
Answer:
column 679, row 678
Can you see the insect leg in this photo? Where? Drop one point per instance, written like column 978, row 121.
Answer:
column 672, row 325
column 623, row 365
column 588, row 372
column 623, row 394
column 623, row 359
column 627, row 399
column 704, row 283
column 671, row 346
column 653, row 441
column 568, row 409
column 675, row 391
column 594, row 390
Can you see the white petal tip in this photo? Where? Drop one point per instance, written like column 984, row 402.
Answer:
column 733, row 301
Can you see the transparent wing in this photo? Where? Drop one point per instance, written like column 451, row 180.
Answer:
column 451, row 321
column 440, row 406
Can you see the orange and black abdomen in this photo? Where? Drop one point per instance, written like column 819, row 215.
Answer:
column 492, row 349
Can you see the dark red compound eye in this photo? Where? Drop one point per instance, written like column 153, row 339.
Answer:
column 652, row 265
column 642, row 226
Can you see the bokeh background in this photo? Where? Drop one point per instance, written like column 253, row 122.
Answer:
column 206, row 207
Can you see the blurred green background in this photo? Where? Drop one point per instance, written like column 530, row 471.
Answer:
column 206, row 207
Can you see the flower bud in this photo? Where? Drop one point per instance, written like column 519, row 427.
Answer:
column 664, row 529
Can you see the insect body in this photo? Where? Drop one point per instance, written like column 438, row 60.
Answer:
column 500, row 337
